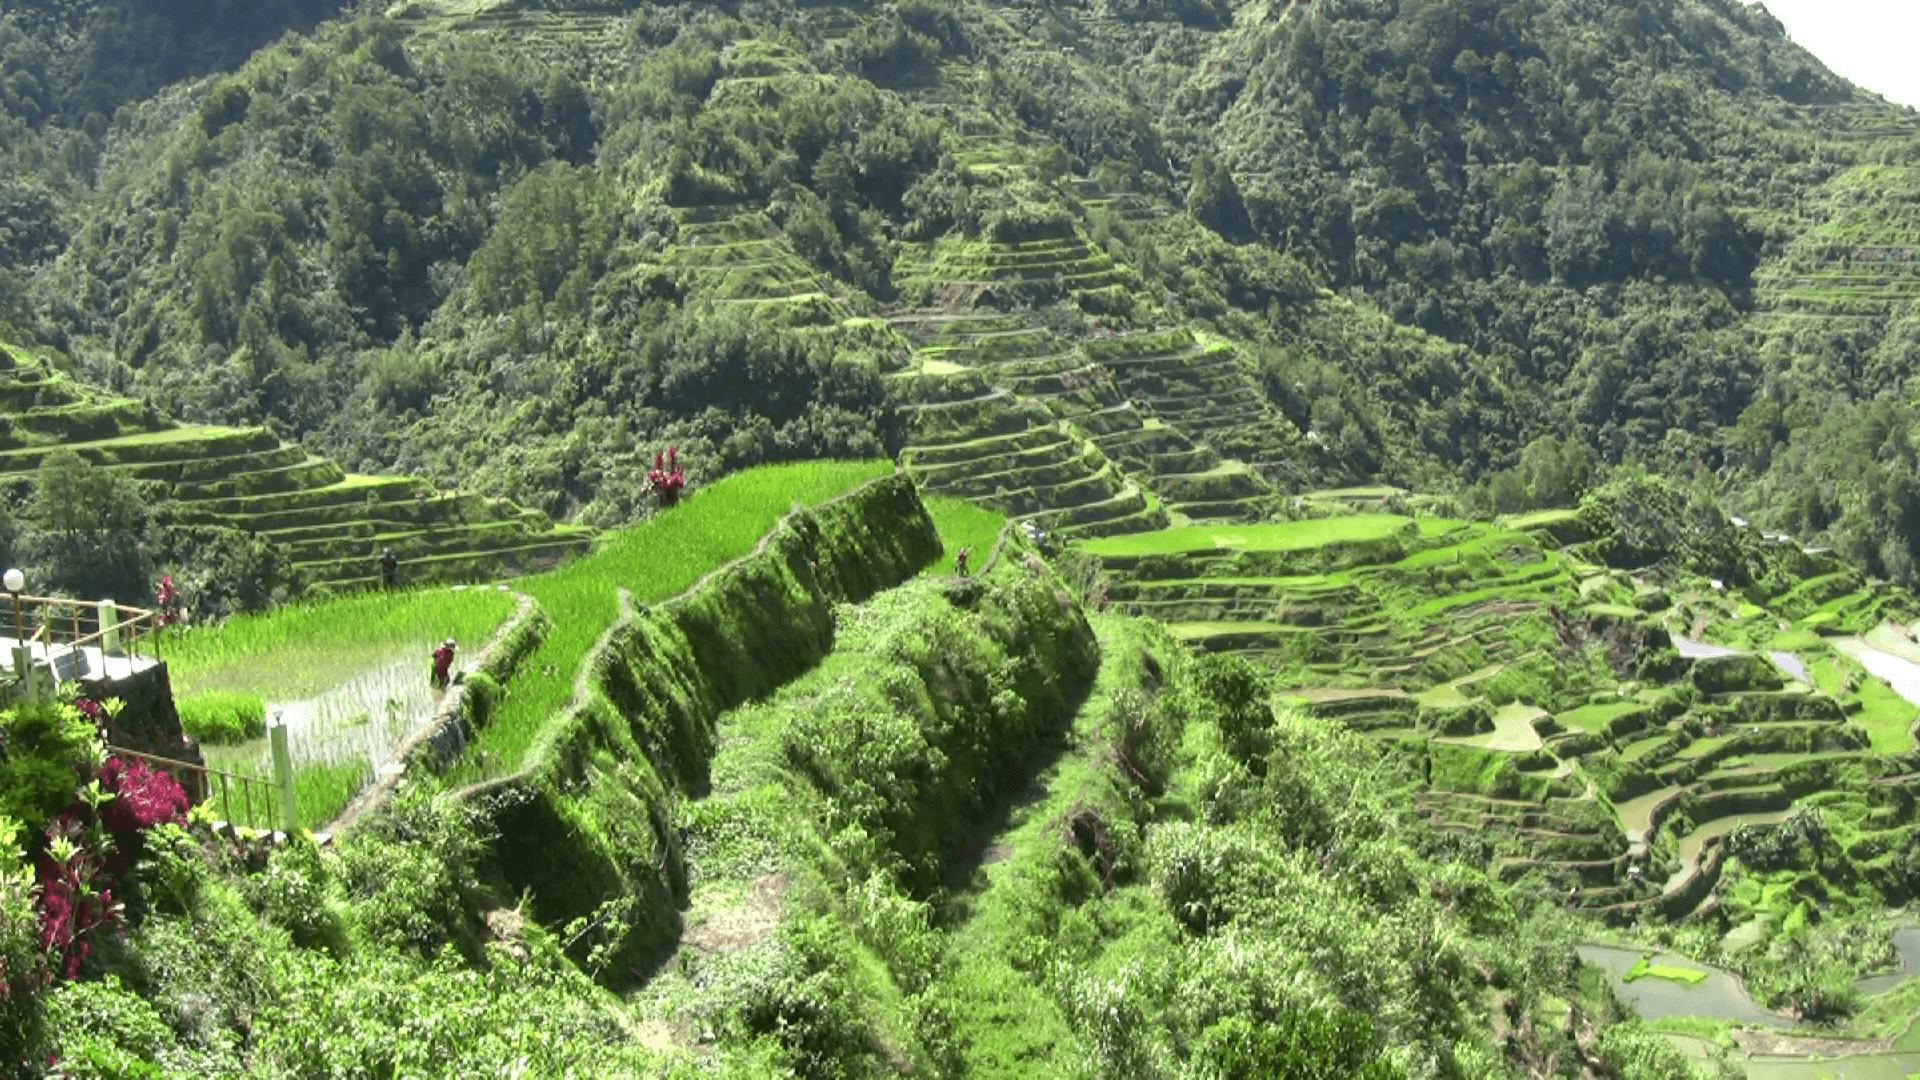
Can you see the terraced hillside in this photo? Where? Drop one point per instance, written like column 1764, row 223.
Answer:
column 333, row 525
column 589, row 39
column 1854, row 256
column 979, row 442
column 1568, row 713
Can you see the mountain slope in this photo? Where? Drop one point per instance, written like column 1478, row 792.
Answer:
column 523, row 249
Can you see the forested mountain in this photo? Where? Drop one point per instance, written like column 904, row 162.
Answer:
column 453, row 238
column 1284, row 740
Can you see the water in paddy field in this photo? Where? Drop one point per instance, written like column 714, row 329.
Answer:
column 1793, row 666
column 1894, row 1066
column 1898, row 672
column 1700, row 650
column 363, row 719
column 1722, row 997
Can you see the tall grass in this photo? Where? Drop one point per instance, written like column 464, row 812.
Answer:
column 321, row 791
column 300, row 651
column 962, row 524
column 654, row 560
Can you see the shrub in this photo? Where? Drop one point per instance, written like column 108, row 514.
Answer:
column 1294, row 1042
column 224, row 719
column 89, row 849
column 23, row 962
column 483, row 697
column 1633, row 1051
column 293, row 894
column 410, row 873
column 106, row 1031
column 42, row 749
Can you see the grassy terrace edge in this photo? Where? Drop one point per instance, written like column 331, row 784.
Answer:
column 642, row 729
column 662, row 557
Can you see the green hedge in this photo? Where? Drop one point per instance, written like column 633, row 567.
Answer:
column 223, row 719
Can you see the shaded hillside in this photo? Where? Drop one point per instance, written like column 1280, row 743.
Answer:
column 82, row 58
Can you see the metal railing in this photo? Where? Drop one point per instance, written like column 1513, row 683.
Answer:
column 65, row 627
column 256, row 794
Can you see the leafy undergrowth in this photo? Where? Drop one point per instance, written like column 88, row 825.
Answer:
column 367, row 959
column 297, row 652
column 983, row 838
column 659, row 558
column 1185, row 888
column 840, row 805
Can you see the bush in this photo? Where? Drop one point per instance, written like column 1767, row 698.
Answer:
column 23, row 963
column 1295, row 1042
column 293, row 894
column 410, row 873
column 224, row 719
column 483, row 697
column 106, row 1031
column 42, row 749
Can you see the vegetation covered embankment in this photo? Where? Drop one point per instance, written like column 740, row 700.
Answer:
column 591, row 817
column 662, row 557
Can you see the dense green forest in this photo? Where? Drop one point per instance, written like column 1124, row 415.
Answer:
column 442, row 237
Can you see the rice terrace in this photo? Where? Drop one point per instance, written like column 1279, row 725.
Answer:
column 1148, row 540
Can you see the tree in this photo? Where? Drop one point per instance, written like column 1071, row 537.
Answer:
column 1214, row 198
column 91, row 521
column 1237, row 691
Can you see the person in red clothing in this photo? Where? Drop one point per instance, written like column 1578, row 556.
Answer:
column 443, row 665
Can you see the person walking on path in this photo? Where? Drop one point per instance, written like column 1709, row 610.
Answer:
column 443, row 665
column 389, row 569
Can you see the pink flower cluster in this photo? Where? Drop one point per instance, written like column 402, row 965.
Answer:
column 667, row 478
column 168, row 600
column 76, row 892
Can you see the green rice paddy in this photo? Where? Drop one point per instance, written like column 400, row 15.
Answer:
column 1646, row 969
column 1283, row 536
column 963, row 524
column 301, row 650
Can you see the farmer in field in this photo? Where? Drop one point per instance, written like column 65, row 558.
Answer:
column 443, row 665
column 389, row 569
column 960, row 561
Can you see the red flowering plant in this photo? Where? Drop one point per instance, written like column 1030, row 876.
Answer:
column 167, row 599
column 90, row 848
column 666, row 479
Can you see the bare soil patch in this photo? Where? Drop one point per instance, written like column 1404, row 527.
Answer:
column 1780, row 1044
column 743, row 925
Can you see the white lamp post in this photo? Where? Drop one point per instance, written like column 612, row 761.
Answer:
column 15, row 581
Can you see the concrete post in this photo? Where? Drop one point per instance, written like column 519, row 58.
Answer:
column 283, row 776
column 109, row 637
column 23, row 667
